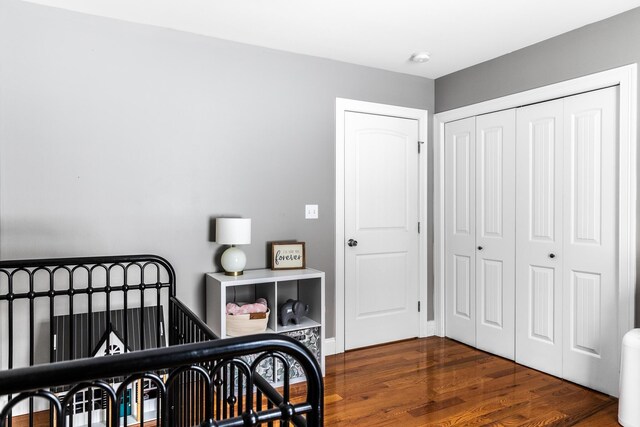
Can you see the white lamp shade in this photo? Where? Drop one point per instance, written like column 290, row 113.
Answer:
column 233, row 231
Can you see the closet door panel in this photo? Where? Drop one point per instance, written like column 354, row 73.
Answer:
column 460, row 281
column 541, row 304
column 539, row 158
column 590, row 246
column 495, row 232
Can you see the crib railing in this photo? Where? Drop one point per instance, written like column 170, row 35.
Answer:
column 197, row 380
column 40, row 296
column 230, row 391
column 186, row 327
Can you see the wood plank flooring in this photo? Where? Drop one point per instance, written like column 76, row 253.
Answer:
column 439, row 382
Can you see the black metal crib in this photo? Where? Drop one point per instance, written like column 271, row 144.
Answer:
column 83, row 341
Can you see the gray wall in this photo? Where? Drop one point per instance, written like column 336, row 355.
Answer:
column 597, row 47
column 120, row 138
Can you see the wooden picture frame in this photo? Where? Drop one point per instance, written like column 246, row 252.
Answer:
column 287, row 255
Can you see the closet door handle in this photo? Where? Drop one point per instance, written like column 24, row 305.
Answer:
column 552, row 255
column 352, row 243
column 479, row 248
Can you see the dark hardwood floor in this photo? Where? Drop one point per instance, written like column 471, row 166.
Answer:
column 439, row 382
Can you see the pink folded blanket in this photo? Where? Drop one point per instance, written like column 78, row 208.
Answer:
column 260, row 306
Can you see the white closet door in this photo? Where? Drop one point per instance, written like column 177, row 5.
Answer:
column 591, row 355
column 460, row 232
column 495, row 232
column 539, row 229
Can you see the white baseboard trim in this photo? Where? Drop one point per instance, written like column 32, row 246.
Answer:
column 431, row 328
column 329, row 346
column 330, row 343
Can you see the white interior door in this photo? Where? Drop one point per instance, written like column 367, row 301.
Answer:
column 590, row 189
column 381, row 215
column 460, row 233
column 495, row 232
column 539, row 232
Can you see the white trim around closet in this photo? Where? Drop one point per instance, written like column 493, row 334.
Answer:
column 626, row 78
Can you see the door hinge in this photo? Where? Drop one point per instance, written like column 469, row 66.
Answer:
column 418, row 306
column 418, row 227
column 419, row 145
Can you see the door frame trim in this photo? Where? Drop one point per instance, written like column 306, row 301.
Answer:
column 626, row 78
column 344, row 105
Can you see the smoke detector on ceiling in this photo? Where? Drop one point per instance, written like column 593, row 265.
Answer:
column 420, row 57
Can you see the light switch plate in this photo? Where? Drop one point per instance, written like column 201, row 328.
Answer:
column 311, row 211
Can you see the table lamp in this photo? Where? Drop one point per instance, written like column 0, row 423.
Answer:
column 233, row 231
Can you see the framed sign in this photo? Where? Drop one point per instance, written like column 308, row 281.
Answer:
column 287, row 255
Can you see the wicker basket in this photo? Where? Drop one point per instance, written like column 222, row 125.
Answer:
column 247, row 324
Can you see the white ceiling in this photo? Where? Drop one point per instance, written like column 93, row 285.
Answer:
column 375, row 33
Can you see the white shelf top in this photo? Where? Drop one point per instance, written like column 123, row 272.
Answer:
column 265, row 276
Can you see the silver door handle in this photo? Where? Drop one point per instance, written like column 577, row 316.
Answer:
column 352, row 243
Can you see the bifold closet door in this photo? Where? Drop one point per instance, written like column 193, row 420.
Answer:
column 495, row 232
column 460, row 234
column 480, row 231
column 590, row 189
column 539, row 160
column 566, row 238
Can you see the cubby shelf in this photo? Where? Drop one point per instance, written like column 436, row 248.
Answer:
column 276, row 287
